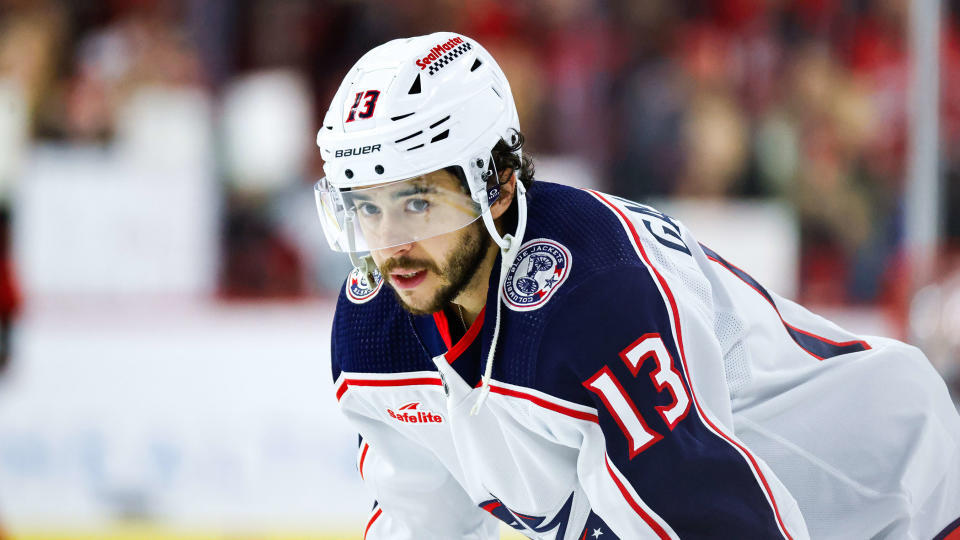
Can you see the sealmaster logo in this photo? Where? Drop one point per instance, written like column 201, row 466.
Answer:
column 437, row 52
column 411, row 414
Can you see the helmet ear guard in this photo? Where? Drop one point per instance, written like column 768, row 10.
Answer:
column 492, row 191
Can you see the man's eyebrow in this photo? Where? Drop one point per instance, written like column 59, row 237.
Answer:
column 413, row 190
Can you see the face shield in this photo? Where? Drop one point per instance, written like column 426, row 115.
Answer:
column 364, row 219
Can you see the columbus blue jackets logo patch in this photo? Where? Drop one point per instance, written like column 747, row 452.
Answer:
column 358, row 290
column 540, row 268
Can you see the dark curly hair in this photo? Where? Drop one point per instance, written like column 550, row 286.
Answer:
column 505, row 157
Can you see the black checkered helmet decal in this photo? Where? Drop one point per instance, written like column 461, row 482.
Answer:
column 449, row 57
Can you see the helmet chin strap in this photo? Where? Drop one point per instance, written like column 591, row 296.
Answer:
column 364, row 264
column 509, row 246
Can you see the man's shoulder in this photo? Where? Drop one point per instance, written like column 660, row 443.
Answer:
column 573, row 241
column 372, row 333
column 584, row 223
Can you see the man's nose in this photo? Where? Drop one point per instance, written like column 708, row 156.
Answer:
column 393, row 252
column 393, row 229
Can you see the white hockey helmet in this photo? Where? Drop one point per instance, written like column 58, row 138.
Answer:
column 407, row 108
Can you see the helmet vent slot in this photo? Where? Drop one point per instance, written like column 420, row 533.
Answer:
column 415, row 87
column 441, row 136
column 412, row 135
column 415, row 147
column 476, row 63
column 438, row 122
column 402, row 116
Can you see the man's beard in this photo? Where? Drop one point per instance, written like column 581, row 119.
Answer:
column 457, row 272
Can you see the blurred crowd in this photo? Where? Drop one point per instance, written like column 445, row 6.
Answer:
column 803, row 101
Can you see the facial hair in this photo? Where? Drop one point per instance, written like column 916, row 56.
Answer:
column 457, row 271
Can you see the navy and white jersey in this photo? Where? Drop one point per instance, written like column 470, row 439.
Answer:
column 643, row 387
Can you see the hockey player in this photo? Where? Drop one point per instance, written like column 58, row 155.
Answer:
column 578, row 365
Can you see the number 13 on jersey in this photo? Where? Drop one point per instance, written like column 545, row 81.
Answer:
column 624, row 411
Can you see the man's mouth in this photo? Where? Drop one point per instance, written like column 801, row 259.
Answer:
column 407, row 279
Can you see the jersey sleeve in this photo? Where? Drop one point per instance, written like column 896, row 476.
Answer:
column 658, row 463
column 415, row 495
column 416, row 498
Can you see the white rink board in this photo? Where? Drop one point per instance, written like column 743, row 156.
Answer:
column 213, row 416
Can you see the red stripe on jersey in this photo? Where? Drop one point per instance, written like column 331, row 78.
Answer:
column 951, row 532
column 363, row 456
column 489, row 507
column 866, row 346
column 683, row 358
column 341, row 388
column 580, row 415
column 647, row 518
column 443, row 326
column 467, row 339
column 415, row 381
column 370, row 523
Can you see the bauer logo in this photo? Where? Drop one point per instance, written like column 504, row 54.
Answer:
column 360, row 150
column 412, row 414
column 540, row 268
column 358, row 290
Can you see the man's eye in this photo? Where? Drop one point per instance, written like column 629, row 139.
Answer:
column 418, row 205
column 367, row 209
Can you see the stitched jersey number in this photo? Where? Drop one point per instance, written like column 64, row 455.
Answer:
column 664, row 377
column 369, row 105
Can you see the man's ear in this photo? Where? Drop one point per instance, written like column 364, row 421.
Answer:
column 508, row 188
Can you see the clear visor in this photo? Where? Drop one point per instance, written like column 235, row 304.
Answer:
column 378, row 217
